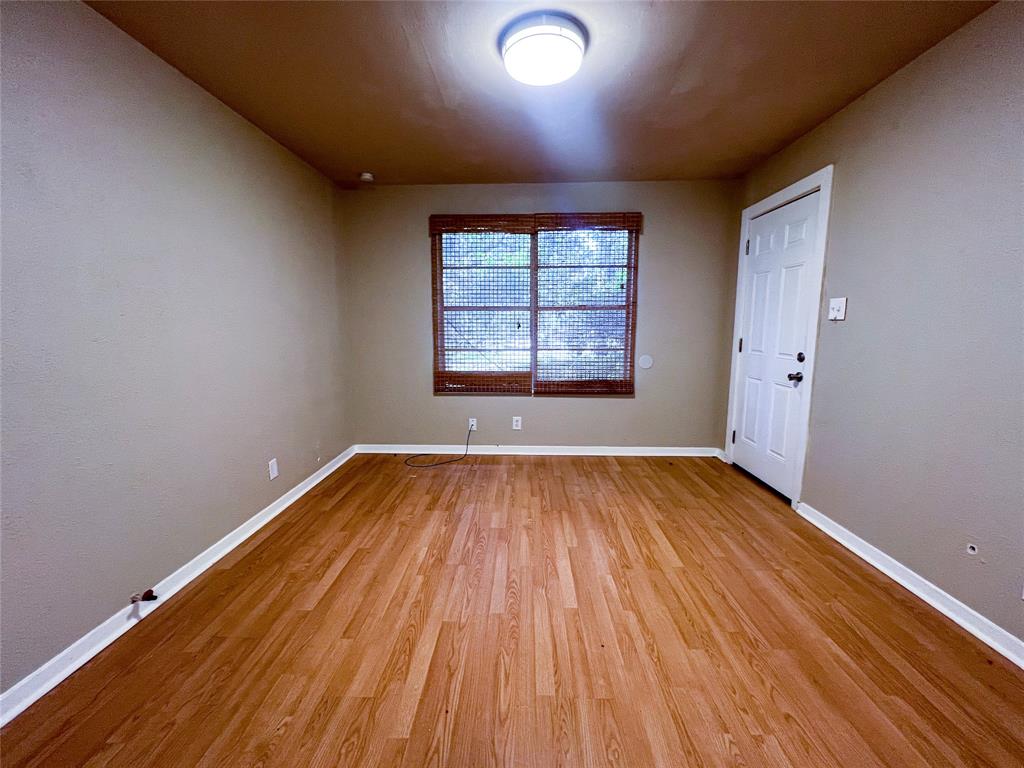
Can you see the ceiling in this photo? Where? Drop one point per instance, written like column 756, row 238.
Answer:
column 416, row 93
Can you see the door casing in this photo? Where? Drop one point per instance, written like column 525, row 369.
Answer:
column 819, row 181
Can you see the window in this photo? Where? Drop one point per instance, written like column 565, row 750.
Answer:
column 540, row 304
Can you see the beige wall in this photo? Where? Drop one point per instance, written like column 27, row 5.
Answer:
column 686, row 284
column 918, row 413
column 170, row 322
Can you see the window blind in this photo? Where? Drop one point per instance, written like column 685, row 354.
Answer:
column 541, row 304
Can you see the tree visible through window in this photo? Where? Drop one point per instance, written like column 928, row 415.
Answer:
column 539, row 304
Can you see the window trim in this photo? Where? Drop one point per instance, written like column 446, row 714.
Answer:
column 525, row 383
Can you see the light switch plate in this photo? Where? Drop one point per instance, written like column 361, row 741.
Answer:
column 837, row 309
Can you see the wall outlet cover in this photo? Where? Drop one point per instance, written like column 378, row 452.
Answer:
column 837, row 309
column 517, row 422
column 272, row 468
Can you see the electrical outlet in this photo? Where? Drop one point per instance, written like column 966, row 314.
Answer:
column 472, row 425
column 837, row 309
column 517, row 422
column 272, row 468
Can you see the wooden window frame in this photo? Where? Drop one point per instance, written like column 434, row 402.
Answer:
column 525, row 383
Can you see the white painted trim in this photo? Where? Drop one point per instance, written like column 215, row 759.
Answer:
column 540, row 450
column 29, row 689
column 994, row 636
column 24, row 693
column 819, row 181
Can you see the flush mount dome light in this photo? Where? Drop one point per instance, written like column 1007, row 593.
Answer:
column 543, row 48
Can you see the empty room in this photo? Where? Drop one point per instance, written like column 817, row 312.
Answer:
column 468, row 384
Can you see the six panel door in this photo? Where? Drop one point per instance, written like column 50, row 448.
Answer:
column 778, row 296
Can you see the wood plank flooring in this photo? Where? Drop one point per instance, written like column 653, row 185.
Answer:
column 536, row 611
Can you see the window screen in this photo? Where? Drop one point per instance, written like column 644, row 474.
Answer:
column 540, row 304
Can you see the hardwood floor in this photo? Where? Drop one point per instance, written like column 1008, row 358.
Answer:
column 536, row 611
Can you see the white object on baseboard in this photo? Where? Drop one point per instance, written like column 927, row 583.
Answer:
column 26, row 691
column 994, row 636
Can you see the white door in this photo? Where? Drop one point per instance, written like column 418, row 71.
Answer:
column 779, row 294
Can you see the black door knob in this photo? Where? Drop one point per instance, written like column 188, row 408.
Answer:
column 795, row 376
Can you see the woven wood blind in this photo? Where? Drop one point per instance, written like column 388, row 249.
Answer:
column 540, row 304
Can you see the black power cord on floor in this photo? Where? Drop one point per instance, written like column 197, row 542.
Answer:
column 409, row 459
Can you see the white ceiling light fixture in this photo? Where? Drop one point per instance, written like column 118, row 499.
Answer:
column 543, row 48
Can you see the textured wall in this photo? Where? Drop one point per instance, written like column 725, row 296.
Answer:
column 917, row 424
column 686, row 285
column 170, row 322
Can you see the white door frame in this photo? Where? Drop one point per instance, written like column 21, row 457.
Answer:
column 819, row 181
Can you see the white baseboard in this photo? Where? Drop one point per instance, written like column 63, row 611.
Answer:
column 22, row 694
column 540, row 450
column 29, row 689
column 991, row 634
